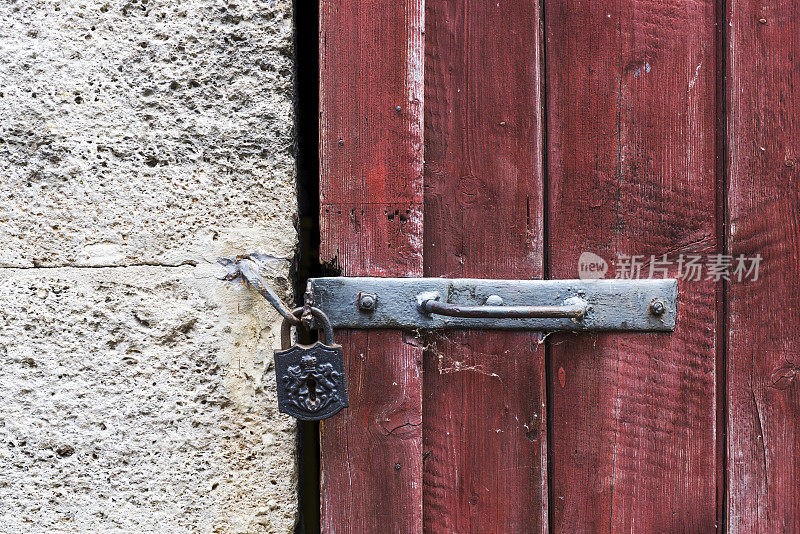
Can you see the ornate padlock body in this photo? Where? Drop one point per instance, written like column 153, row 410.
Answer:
column 310, row 378
column 311, row 384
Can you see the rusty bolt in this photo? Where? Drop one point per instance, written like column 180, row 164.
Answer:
column 367, row 301
column 657, row 307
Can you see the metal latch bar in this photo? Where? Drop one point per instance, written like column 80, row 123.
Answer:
column 441, row 303
column 576, row 310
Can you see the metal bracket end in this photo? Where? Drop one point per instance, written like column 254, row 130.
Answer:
column 423, row 298
column 250, row 270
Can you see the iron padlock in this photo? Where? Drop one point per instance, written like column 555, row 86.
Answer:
column 310, row 378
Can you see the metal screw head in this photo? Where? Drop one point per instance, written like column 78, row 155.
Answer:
column 657, row 307
column 494, row 300
column 367, row 301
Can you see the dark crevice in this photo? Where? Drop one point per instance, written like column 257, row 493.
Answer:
column 548, row 353
column 307, row 265
column 721, row 202
column 404, row 425
column 190, row 263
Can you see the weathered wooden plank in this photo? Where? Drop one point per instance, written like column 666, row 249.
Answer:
column 630, row 122
column 763, row 339
column 371, row 89
column 484, row 425
column 372, row 454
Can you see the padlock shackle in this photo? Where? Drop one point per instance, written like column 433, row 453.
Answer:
column 319, row 315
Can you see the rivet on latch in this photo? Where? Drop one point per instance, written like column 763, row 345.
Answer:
column 657, row 307
column 367, row 302
column 494, row 300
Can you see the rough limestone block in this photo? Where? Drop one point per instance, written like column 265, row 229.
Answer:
column 139, row 132
column 141, row 399
column 154, row 136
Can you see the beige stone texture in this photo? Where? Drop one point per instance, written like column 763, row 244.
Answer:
column 140, row 141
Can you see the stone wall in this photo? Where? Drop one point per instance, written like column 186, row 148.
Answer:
column 139, row 142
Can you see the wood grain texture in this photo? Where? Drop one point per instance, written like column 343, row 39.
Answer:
column 631, row 122
column 371, row 113
column 484, row 433
column 764, row 210
column 484, row 427
column 372, row 453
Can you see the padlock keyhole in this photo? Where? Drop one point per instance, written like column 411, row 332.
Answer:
column 312, row 390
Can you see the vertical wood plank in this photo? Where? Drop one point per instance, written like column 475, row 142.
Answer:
column 371, row 90
column 484, row 428
column 631, row 148
column 764, row 218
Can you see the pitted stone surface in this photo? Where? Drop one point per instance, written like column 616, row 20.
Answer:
column 139, row 132
column 140, row 399
column 154, row 136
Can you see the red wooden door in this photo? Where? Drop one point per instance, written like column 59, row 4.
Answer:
column 763, row 343
column 504, row 139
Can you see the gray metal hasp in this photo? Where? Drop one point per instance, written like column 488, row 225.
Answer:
column 441, row 303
